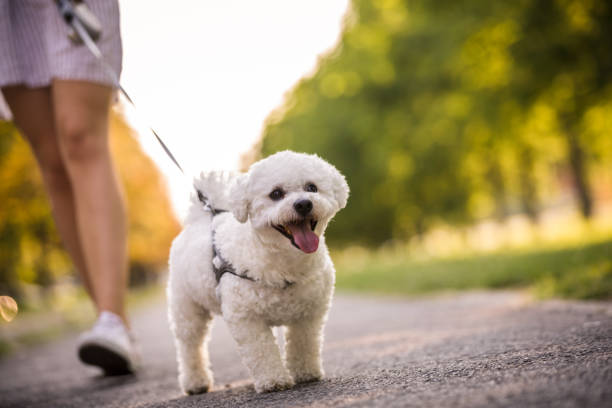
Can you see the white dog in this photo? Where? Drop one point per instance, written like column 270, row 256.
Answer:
column 262, row 263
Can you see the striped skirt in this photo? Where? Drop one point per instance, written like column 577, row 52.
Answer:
column 35, row 48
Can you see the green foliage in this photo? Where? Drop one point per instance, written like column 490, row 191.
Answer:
column 582, row 271
column 452, row 111
column 593, row 281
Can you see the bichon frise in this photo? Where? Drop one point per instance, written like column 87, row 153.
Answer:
column 253, row 251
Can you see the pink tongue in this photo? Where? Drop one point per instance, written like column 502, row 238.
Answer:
column 304, row 237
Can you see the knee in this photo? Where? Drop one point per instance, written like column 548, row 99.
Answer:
column 55, row 176
column 81, row 142
column 51, row 165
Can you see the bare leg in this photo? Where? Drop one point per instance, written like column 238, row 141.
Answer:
column 33, row 115
column 81, row 112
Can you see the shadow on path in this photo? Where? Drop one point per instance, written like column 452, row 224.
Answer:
column 474, row 349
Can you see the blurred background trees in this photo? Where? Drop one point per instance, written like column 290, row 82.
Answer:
column 442, row 113
column 31, row 255
column 455, row 111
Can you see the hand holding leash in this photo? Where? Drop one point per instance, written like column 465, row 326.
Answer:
column 77, row 13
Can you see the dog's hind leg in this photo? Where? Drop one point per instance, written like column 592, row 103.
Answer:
column 190, row 324
column 303, row 350
column 260, row 354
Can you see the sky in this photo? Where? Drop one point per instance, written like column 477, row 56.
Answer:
column 206, row 74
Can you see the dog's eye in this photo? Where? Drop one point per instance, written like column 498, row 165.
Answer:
column 277, row 194
column 311, row 188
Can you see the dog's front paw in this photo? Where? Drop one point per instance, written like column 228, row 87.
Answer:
column 278, row 384
column 306, row 377
column 197, row 390
column 195, row 385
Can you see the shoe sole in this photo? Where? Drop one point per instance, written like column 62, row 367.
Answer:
column 107, row 359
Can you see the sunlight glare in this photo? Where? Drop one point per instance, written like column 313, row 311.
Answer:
column 206, row 74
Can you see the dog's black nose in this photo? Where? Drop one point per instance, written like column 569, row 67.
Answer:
column 303, row 207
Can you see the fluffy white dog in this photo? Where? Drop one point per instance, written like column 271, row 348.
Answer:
column 262, row 263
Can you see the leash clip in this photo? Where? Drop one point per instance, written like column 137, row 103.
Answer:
column 77, row 12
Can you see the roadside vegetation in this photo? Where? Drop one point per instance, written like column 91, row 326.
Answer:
column 578, row 267
column 582, row 272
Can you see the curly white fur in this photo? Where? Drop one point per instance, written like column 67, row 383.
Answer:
column 289, row 287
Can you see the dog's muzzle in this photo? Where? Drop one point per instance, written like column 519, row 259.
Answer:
column 301, row 232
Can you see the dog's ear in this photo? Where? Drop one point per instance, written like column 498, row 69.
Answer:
column 239, row 203
column 340, row 189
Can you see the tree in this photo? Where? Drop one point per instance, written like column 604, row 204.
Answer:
column 565, row 58
column 451, row 111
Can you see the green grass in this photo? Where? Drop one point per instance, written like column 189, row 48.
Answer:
column 581, row 271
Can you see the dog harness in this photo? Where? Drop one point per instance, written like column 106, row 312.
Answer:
column 220, row 265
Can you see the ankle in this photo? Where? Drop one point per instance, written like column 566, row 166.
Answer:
column 114, row 315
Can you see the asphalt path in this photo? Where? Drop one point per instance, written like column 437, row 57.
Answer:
column 484, row 349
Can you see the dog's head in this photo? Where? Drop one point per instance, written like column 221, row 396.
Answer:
column 290, row 197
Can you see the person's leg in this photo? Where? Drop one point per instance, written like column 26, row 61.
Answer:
column 32, row 112
column 81, row 112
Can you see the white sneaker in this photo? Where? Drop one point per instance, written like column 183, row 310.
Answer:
column 109, row 345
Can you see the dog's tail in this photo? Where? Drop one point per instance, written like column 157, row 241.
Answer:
column 212, row 188
column 211, row 192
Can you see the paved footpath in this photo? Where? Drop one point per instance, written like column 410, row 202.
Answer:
column 484, row 349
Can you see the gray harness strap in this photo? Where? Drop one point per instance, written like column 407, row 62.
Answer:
column 220, row 265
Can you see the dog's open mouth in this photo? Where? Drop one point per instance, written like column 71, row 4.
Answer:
column 301, row 234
